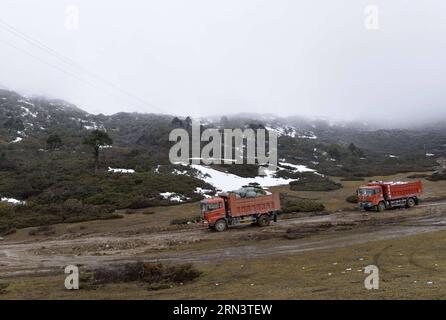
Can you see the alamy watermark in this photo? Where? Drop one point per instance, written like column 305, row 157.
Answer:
column 226, row 146
column 72, row 280
column 371, row 20
column 372, row 280
column 72, row 18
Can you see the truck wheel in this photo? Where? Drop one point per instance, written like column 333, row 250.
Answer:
column 263, row 221
column 221, row 225
column 410, row 203
column 381, row 207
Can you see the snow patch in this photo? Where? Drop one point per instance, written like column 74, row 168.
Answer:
column 25, row 102
column 172, row 196
column 283, row 131
column 93, row 127
column 203, row 192
column 16, row 140
column 296, row 167
column 178, row 172
column 27, row 112
column 12, row 201
column 308, row 135
column 117, row 170
column 227, row 181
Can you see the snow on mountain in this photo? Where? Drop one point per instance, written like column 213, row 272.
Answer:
column 290, row 131
column 307, row 135
column 18, row 139
column 175, row 197
column 282, row 131
column 118, row 170
column 227, row 181
column 296, row 167
column 204, row 192
column 12, row 201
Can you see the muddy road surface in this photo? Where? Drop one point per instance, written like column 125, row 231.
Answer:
column 194, row 244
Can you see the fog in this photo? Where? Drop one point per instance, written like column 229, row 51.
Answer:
column 207, row 57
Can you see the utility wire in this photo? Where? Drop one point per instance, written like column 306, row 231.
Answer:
column 51, row 65
column 64, row 71
column 71, row 62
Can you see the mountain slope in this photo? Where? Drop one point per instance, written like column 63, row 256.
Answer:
column 58, row 185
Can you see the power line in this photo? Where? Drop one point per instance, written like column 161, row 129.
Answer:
column 71, row 62
column 50, row 65
column 62, row 70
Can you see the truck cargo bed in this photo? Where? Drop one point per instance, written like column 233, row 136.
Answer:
column 247, row 206
column 397, row 190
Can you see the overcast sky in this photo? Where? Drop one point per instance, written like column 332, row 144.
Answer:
column 207, row 57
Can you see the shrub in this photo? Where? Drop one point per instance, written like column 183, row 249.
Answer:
column 301, row 205
column 352, row 178
column 159, row 286
column 140, row 203
column 186, row 220
column 312, row 182
column 42, row 215
column 418, row 176
column 125, row 273
column 3, row 286
column 43, row 230
column 437, row 176
column 244, row 170
column 73, row 205
column 157, row 275
column 7, row 231
column 352, row 199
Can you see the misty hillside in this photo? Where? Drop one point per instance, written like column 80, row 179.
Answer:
column 47, row 169
column 26, row 122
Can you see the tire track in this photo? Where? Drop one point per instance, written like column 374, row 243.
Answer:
column 20, row 257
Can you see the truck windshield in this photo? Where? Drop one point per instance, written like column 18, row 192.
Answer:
column 210, row 206
column 203, row 208
column 367, row 192
column 213, row 206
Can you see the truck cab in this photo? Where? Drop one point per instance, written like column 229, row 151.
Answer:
column 369, row 197
column 382, row 195
column 229, row 209
column 212, row 210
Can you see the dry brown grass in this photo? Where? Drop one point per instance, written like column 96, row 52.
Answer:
column 336, row 200
column 411, row 268
column 408, row 264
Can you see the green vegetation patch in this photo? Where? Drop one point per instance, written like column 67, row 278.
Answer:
column 3, row 286
column 185, row 220
column 352, row 199
column 308, row 181
column 294, row 204
column 437, row 176
column 156, row 275
column 16, row 217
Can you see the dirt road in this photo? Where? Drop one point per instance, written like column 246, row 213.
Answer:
column 288, row 235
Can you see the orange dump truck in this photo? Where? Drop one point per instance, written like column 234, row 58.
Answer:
column 220, row 212
column 381, row 195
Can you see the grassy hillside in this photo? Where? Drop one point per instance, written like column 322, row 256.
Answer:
column 44, row 162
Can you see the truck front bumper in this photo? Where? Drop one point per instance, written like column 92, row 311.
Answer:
column 366, row 205
column 204, row 224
